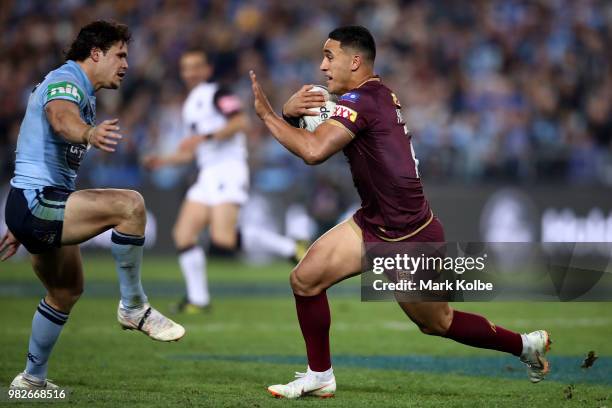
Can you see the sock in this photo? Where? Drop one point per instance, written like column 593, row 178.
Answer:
column 257, row 239
column 315, row 320
column 193, row 266
column 476, row 331
column 321, row 375
column 127, row 251
column 47, row 325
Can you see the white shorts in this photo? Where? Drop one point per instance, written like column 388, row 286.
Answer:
column 226, row 182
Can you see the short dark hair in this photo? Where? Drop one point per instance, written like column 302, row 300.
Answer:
column 98, row 34
column 356, row 37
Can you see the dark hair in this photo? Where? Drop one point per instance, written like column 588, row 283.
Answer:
column 98, row 34
column 356, row 37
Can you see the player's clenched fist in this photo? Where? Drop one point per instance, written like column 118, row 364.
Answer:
column 262, row 105
column 300, row 102
column 104, row 136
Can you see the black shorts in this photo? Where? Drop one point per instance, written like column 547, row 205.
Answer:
column 36, row 217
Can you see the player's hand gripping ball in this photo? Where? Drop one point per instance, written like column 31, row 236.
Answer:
column 310, row 123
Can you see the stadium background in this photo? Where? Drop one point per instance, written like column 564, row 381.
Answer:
column 509, row 102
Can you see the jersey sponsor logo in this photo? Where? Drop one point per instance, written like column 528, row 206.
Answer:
column 345, row 112
column 350, row 97
column 74, row 155
column 64, row 90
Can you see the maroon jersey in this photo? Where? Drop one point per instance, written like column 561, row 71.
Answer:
column 382, row 161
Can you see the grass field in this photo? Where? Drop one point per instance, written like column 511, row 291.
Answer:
column 251, row 339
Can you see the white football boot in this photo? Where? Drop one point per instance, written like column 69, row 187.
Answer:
column 535, row 347
column 307, row 383
column 29, row 382
column 150, row 322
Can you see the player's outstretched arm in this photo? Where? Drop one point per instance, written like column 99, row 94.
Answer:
column 181, row 156
column 9, row 244
column 65, row 119
column 239, row 122
column 313, row 148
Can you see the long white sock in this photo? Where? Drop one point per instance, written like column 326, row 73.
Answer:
column 257, row 239
column 193, row 266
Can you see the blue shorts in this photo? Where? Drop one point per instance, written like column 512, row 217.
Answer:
column 36, row 217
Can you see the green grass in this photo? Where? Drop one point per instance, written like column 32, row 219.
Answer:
column 251, row 340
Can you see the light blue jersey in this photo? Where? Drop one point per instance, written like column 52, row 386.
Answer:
column 43, row 157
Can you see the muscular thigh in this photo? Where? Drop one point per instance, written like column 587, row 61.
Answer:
column 335, row 256
column 91, row 212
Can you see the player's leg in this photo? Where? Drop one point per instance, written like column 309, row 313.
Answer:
column 47, row 218
column 255, row 238
column 333, row 257
column 439, row 319
column 226, row 239
column 90, row 212
column 258, row 236
column 223, row 231
column 192, row 219
column 225, row 189
column 60, row 270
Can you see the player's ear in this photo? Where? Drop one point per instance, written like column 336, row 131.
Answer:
column 356, row 62
column 95, row 54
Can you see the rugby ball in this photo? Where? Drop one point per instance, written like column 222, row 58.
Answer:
column 324, row 112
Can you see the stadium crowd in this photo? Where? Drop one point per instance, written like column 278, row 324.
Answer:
column 502, row 90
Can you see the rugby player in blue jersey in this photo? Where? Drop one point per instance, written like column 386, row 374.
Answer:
column 51, row 219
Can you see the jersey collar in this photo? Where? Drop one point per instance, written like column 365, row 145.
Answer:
column 88, row 85
column 373, row 78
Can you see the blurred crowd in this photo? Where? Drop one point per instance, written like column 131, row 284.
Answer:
column 501, row 90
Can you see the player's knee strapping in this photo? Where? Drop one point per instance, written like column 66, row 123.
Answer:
column 127, row 252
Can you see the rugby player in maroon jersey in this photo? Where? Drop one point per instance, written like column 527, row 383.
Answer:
column 367, row 126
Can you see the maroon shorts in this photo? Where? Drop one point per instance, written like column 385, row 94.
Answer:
column 425, row 241
column 430, row 231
